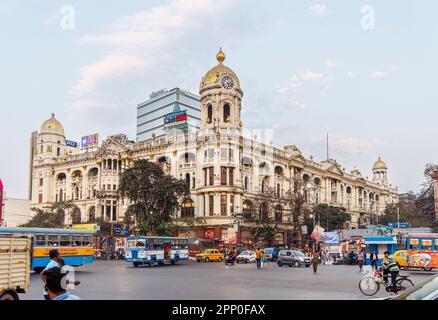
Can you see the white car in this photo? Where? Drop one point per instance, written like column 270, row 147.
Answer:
column 246, row 257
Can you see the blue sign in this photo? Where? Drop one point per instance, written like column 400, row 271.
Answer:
column 403, row 225
column 72, row 144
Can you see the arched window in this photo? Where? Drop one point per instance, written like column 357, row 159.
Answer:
column 60, row 217
column 227, row 118
column 93, row 173
column 61, row 177
column 209, row 113
column 188, row 179
column 92, row 214
column 278, row 170
column 187, row 208
column 264, row 211
column 246, row 184
column 278, row 214
column 76, row 216
column 247, row 208
column 278, row 191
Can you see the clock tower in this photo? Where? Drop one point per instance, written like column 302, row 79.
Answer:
column 219, row 148
column 221, row 97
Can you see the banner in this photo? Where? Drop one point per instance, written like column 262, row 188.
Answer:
column 317, row 233
column 330, row 237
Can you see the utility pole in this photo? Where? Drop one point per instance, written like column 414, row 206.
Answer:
column 398, row 216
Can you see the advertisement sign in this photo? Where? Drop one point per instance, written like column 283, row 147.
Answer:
column 90, row 141
column 94, row 227
column 422, row 259
column 330, row 237
column 175, row 117
column 72, row 144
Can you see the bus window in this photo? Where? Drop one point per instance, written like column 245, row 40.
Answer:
column 86, row 241
column 53, row 240
column 65, row 241
column 413, row 243
column 136, row 243
column 158, row 244
column 426, row 245
column 40, row 240
column 76, row 241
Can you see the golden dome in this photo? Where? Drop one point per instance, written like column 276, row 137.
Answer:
column 379, row 164
column 52, row 126
column 214, row 75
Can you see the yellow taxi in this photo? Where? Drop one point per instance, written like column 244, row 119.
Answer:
column 401, row 258
column 210, row 255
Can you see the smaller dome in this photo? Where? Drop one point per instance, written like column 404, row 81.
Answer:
column 52, row 126
column 379, row 164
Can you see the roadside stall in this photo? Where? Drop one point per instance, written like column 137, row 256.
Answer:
column 331, row 245
column 380, row 244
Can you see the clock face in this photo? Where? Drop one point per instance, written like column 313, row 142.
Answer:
column 227, row 83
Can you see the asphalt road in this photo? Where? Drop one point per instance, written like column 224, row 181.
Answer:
column 118, row 280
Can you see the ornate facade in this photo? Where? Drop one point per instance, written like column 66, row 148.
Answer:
column 226, row 171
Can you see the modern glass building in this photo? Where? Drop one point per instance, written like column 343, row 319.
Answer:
column 153, row 116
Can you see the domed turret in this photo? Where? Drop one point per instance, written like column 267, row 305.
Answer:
column 52, row 126
column 380, row 172
column 220, row 75
column 379, row 164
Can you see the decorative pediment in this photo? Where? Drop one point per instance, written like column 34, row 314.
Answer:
column 332, row 167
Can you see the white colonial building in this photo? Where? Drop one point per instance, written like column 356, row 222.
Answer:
column 226, row 171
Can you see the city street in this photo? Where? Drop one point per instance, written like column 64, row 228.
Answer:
column 118, row 280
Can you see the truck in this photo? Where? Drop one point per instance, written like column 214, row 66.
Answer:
column 15, row 264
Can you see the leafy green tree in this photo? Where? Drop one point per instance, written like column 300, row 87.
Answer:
column 153, row 195
column 53, row 217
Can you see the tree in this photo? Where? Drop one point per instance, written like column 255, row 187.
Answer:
column 53, row 217
column 153, row 195
column 331, row 218
column 416, row 209
column 292, row 202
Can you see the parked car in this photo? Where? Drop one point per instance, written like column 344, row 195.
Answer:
column 246, row 257
column 210, row 255
column 292, row 258
column 272, row 253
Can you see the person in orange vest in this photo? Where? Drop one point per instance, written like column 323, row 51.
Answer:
column 258, row 254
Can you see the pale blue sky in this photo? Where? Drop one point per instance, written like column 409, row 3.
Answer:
column 306, row 68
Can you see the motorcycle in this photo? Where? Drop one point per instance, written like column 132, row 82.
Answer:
column 230, row 260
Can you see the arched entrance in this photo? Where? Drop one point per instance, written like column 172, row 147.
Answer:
column 76, row 216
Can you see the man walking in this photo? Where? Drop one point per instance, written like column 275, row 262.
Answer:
column 315, row 261
column 361, row 260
